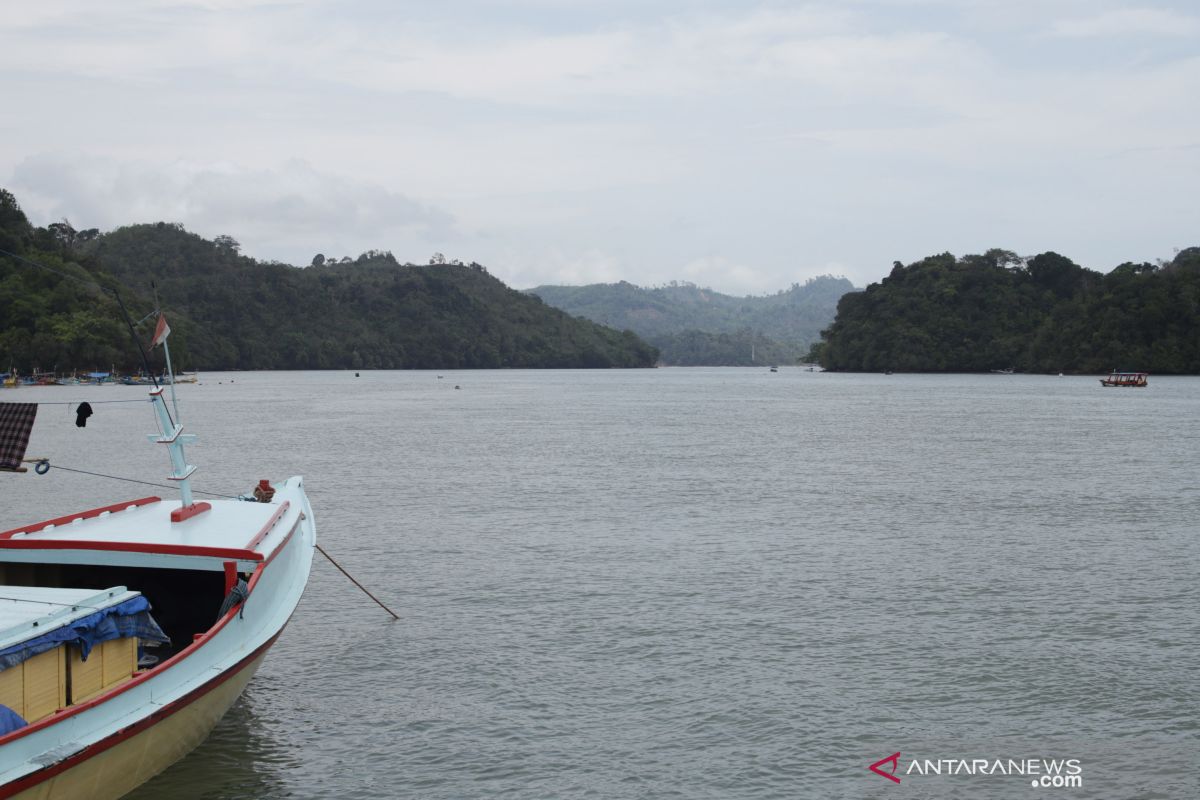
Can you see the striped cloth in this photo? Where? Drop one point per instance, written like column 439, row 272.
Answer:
column 16, row 421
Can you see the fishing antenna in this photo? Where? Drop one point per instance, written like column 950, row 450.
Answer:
column 124, row 311
column 138, row 343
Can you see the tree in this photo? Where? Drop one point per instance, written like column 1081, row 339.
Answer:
column 1049, row 315
column 14, row 226
column 63, row 233
column 318, row 260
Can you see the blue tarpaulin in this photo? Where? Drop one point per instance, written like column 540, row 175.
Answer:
column 10, row 720
column 130, row 618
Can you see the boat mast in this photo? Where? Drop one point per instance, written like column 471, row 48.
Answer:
column 171, row 377
column 173, row 436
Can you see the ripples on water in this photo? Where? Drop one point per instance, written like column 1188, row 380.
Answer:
column 697, row 583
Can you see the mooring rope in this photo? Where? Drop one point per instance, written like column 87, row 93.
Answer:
column 237, row 596
column 92, row 402
column 44, row 464
column 321, row 550
column 135, row 480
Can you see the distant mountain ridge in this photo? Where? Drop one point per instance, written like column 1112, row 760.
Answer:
column 229, row 311
column 692, row 325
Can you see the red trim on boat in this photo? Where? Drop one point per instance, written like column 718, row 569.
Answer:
column 262, row 534
column 286, row 539
column 114, row 739
column 132, row 547
column 187, row 512
column 198, row 641
column 230, row 575
column 259, row 570
column 201, row 638
column 78, row 708
column 95, row 512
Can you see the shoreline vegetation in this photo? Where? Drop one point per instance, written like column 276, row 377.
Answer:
column 998, row 311
column 232, row 312
column 977, row 313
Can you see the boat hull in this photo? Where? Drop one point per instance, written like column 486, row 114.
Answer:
column 116, row 766
column 106, row 746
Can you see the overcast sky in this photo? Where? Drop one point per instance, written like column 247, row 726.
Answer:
column 742, row 146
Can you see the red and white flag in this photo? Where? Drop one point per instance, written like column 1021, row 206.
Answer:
column 161, row 331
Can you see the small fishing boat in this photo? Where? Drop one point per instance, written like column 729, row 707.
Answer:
column 38, row 378
column 1125, row 379
column 127, row 631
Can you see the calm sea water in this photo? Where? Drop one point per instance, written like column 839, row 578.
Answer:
column 695, row 583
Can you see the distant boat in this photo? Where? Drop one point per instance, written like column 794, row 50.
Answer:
column 40, row 378
column 1003, row 371
column 1125, row 379
column 774, row 369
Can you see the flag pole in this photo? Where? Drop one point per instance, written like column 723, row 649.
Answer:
column 173, row 436
column 171, row 379
column 161, row 333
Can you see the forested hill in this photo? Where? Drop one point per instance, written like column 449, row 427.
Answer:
column 1042, row 314
column 229, row 311
column 691, row 325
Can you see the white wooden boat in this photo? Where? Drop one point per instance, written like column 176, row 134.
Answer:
column 220, row 579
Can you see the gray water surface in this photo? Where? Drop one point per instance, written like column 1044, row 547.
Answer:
column 694, row 583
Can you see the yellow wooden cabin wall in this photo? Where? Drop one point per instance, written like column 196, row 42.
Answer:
column 37, row 687
column 108, row 664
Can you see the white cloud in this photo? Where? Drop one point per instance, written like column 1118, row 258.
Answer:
column 1123, row 22
column 524, row 269
column 597, row 141
column 718, row 271
column 697, row 57
column 291, row 208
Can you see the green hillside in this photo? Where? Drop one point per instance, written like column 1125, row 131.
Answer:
column 692, row 325
column 1041, row 314
column 229, row 311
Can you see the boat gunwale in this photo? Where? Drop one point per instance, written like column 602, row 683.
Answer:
column 225, row 553
column 90, row 514
column 9, row 541
column 187, row 652
column 32, row 779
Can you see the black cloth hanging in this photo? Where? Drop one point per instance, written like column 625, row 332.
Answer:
column 81, row 414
